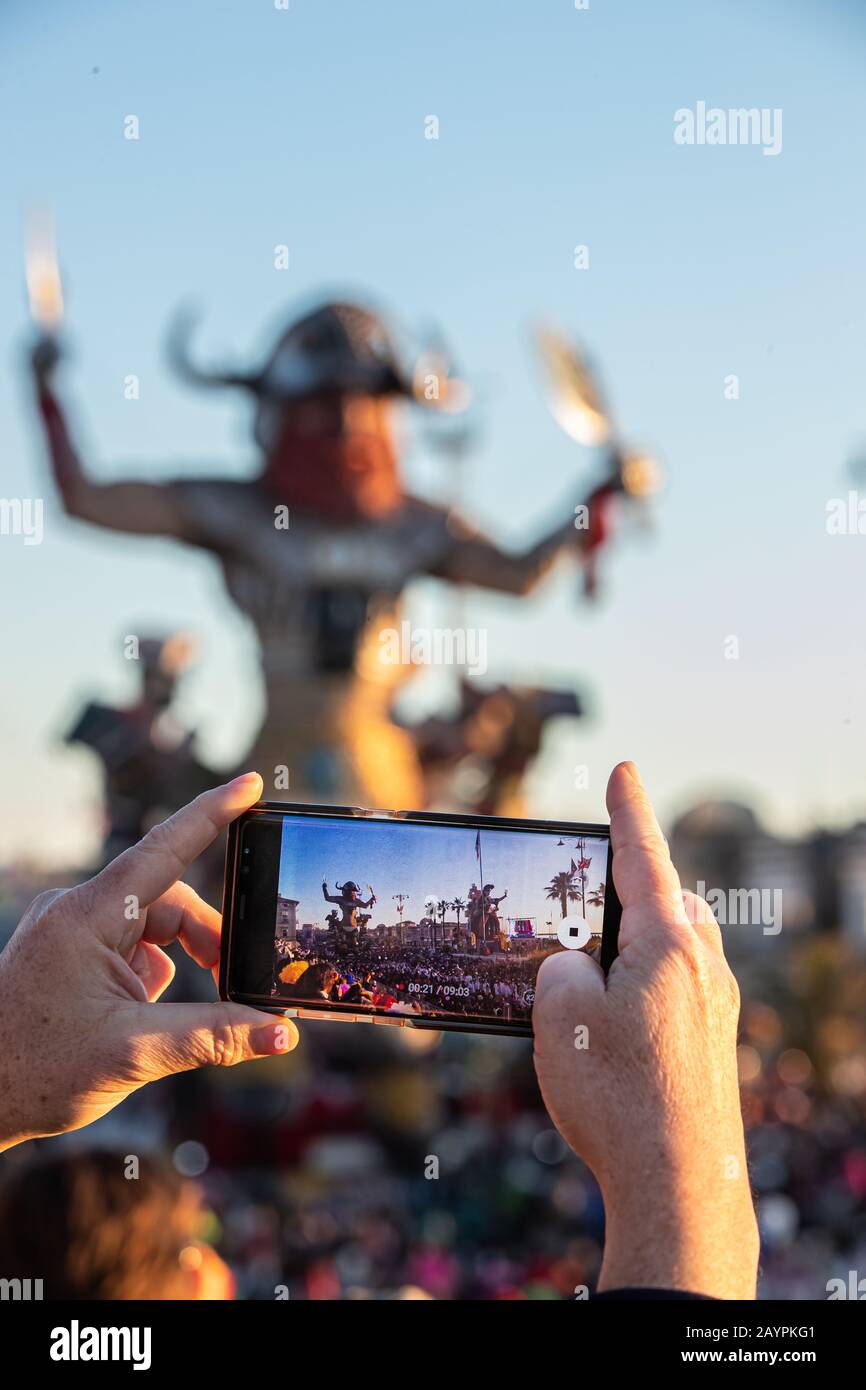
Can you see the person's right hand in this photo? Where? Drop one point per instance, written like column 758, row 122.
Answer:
column 80, row 1027
column 647, row 1095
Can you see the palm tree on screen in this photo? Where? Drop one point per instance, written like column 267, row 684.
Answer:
column 563, row 890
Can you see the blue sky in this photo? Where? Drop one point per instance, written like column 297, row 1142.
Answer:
column 429, row 861
column 305, row 127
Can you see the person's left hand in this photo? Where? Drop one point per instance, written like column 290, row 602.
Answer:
column 79, row 1025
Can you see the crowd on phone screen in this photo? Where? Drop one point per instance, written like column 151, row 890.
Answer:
column 410, row 980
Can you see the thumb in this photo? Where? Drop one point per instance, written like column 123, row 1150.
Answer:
column 179, row 1037
column 569, row 991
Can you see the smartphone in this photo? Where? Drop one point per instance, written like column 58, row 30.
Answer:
column 409, row 918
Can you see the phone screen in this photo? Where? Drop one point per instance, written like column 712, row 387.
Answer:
column 412, row 920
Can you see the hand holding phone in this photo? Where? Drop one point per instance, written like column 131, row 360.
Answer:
column 89, row 964
column 639, row 1074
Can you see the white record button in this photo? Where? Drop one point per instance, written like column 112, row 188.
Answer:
column 574, row 933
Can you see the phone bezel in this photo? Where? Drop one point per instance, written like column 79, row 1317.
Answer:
column 326, row 1010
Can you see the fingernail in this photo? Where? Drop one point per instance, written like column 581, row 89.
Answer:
column 245, row 780
column 272, row 1039
column 629, row 767
column 140, row 963
column 140, row 966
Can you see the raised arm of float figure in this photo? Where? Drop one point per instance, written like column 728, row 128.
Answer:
column 475, row 559
column 140, row 507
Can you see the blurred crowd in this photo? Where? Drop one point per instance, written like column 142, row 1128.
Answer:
column 802, row 1064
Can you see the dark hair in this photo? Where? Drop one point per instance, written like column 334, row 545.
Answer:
column 320, row 976
column 88, row 1231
